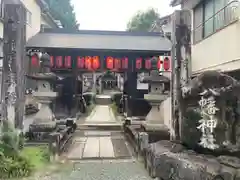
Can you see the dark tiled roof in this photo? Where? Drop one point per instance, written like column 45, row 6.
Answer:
column 112, row 40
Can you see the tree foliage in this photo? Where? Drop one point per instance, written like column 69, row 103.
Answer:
column 143, row 20
column 63, row 10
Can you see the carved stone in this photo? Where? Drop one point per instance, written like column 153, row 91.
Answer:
column 225, row 90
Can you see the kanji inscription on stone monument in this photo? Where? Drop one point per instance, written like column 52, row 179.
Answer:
column 208, row 122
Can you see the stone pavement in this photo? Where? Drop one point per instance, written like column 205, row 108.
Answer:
column 102, row 170
column 101, row 114
column 99, row 145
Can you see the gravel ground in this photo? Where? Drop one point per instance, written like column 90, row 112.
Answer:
column 101, row 170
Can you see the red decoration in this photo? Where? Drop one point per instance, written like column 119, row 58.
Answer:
column 95, row 62
column 51, row 61
column 139, row 63
column 148, row 64
column 67, row 62
column 34, row 61
column 117, row 63
column 166, row 63
column 59, row 61
column 110, row 62
column 80, row 62
column 125, row 63
column 159, row 63
column 88, row 62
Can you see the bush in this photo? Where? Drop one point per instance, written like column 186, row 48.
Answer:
column 14, row 167
column 12, row 163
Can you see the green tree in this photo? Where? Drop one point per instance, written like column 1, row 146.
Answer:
column 143, row 20
column 63, row 10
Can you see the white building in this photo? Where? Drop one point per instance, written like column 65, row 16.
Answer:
column 38, row 16
column 215, row 34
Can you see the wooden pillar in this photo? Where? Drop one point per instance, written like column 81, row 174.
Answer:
column 13, row 63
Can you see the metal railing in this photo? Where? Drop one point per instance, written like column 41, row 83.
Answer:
column 219, row 20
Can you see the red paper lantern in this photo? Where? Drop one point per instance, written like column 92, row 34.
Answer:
column 166, row 63
column 117, row 63
column 67, row 62
column 95, row 62
column 125, row 63
column 139, row 63
column 51, row 61
column 88, row 62
column 59, row 61
column 110, row 62
column 148, row 64
column 34, row 61
column 159, row 64
column 80, row 62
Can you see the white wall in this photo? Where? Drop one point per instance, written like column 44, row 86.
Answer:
column 1, row 29
column 220, row 51
column 33, row 27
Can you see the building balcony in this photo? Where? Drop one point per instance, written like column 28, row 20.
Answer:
column 216, row 41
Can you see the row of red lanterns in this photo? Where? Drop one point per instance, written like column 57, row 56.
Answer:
column 93, row 63
column 163, row 63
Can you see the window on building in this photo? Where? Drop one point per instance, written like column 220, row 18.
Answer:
column 220, row 14
column 197, row 23
column 1, row 9
column 212, row 15
column 29, row 17
column 1, row 53
column 207, row 17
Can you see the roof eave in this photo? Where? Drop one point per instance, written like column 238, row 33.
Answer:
column 175, row 3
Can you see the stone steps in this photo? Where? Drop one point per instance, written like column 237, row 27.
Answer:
column 100, row 126
column 103, row 100
column 98, row 145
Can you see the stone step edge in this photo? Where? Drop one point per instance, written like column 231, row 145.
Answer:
column 100, row 158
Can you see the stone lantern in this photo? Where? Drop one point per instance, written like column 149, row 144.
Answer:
column 44, row 121
column 157, row 94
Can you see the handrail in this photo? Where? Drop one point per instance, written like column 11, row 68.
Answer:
column 222, row 17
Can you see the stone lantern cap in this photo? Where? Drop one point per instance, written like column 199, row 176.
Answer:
column 43, row 76
column 155, row 78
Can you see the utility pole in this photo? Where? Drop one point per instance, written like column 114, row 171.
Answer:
column 180, row 68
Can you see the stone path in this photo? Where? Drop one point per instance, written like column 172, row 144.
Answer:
column 101, row 170
column 99, row 145
column 101, row 114
column 100, row 154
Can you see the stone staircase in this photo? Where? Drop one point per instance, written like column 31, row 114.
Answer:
column 103, row 99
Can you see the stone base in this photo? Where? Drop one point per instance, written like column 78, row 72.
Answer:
column 42, row 132
column 44, row 127
column 168, row 160
column 154, row 116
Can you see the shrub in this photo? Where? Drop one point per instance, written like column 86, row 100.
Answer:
column 12, row 163
column 14, row 167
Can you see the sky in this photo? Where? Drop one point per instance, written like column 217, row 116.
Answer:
column 114, row 14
